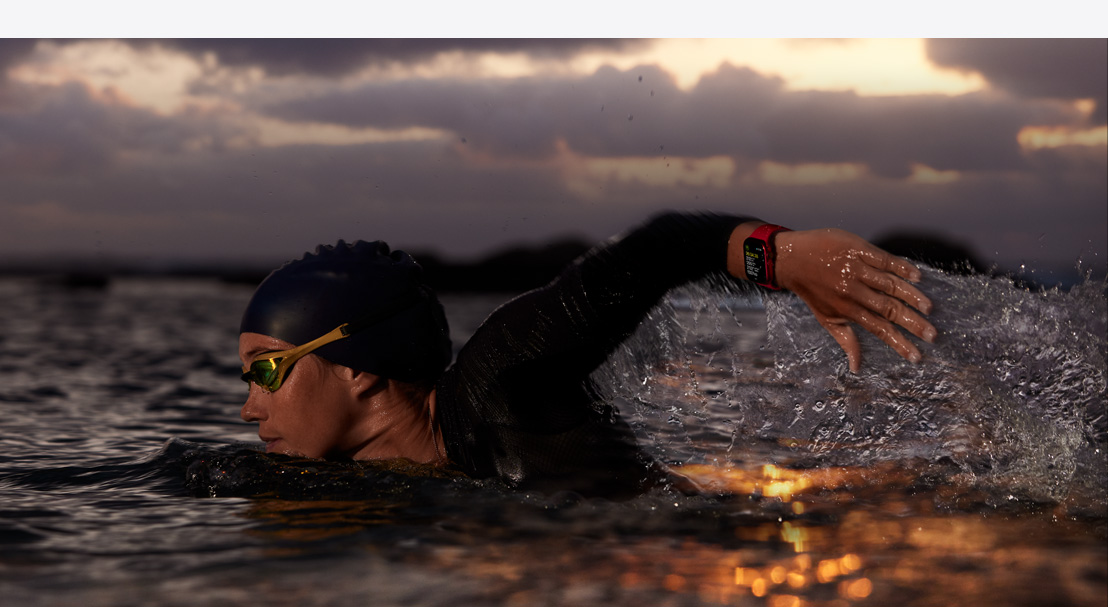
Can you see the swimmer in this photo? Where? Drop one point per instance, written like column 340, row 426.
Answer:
column 347, row 350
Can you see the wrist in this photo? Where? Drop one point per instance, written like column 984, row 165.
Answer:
column 785, row 245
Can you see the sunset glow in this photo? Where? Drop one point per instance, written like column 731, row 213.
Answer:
column 868, row 67
column 151, row 78
column 804, row 132
column 709, row 172
column 809, row 174
column 1038, row 137
column 927, row 175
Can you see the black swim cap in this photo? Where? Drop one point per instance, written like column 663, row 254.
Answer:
column 308, row 297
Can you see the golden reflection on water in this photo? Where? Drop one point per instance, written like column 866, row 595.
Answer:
column 784, row 483
column 836, row 550
column 797, row 580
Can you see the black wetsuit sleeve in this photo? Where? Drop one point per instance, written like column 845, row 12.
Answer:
column 518, row 402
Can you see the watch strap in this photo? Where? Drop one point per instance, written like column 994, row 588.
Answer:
column 766, row 233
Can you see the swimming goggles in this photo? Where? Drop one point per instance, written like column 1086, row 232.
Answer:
column 269, row 370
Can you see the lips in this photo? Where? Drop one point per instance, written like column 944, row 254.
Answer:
column 271, row 443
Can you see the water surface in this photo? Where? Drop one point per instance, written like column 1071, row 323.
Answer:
column 976, row 477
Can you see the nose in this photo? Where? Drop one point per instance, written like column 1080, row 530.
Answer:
column 253, row 410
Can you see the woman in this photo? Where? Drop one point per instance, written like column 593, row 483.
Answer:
column 346, row 349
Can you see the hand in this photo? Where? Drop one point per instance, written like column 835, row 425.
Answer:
column 845, row 280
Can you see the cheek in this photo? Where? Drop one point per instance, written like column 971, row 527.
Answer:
column 314, row 420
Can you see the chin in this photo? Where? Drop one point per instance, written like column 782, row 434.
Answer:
column 280, row 446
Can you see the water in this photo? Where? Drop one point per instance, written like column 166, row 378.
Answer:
column 977, row 477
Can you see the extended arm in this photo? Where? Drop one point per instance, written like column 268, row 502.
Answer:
column 518, row 402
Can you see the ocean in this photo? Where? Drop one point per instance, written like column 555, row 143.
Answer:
column 977, row 477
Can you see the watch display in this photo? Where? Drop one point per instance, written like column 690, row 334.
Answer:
column 760, row 255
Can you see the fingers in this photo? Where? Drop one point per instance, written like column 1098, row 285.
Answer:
column 889, row 284
column 886, row 332
column 879, row 302
column 891, row 263
column 891, row 308
column 883, row 329
column 882, row 308
column 903, row 268
column 846, row 339
column 845, row 280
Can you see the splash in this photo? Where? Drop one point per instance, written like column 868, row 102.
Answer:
column 1011, row 397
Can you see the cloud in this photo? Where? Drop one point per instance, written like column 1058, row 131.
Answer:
column 335, row 56
column 1037, row 68
column 272, row 203
column 527, row 159
column 975, row 132
column 69, row 130
column 735, row 111
column 508, row 116
column 13, row 50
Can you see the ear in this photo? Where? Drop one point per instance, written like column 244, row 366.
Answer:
column 361, row 384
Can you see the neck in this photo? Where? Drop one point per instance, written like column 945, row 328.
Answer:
column 398, row 428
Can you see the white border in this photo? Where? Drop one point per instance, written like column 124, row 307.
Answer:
column 564, row 18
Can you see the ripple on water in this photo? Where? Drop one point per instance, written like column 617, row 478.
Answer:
column 977, row 477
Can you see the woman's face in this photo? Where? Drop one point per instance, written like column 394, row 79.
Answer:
column 312, row 414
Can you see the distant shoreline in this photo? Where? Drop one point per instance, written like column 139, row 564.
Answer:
column 513, row 270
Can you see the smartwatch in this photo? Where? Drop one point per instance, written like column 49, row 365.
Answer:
column 760, row 255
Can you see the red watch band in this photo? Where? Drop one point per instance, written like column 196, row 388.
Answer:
column 765, row 233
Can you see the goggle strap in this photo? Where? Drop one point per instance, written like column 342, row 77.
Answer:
column 345, row 330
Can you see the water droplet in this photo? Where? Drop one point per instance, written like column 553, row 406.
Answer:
column 640, row 77
column 630, row 117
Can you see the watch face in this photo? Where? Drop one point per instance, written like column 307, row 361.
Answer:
column 754, row 252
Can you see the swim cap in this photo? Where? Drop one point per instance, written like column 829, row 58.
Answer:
column 309, row 297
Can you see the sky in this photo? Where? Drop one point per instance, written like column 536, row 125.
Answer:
column 226, row 150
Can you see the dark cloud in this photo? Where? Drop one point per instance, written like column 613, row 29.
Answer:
column 735, row 112
column 967, row 133
column 273, row 203
column 83, row 171
column 336, row 56
column 12, row 50
column 522, row 116
column 1043, row 68
column 64, row 130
